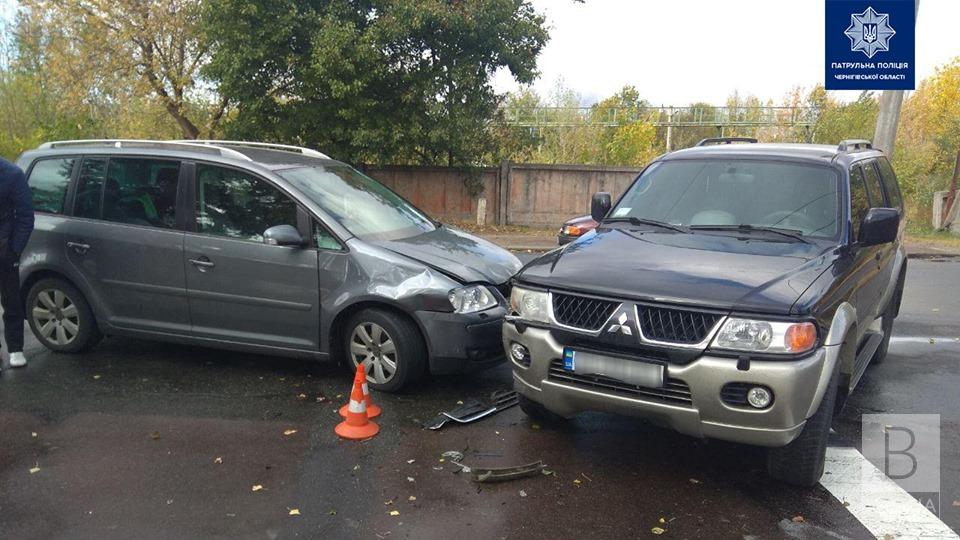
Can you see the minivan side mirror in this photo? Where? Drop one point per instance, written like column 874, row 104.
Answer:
column 599, row 205
column 880, row 226
column 283, row 235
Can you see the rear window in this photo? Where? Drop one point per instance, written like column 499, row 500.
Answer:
column 48, row 182
column 889, row 180
column 873, row 185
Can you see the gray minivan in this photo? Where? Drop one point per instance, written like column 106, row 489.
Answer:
column 255, row 247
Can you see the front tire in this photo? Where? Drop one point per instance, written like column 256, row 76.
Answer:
column 801, row 462
column 389, row 345
column 60, row 317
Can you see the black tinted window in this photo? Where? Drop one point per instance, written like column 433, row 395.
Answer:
column 873, row 185
column 235, row 204
column 48, row 183
column 890, row 183
column 90, row 188
column 859, row 202
column 141, row 191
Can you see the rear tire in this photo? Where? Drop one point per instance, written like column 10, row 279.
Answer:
column 538, row 412
column 801, row 462
column 390, row 346
column 886, row 324
column 60, row 317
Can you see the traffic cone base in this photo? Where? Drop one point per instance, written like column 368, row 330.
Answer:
column 373, row 411
column 356, row 433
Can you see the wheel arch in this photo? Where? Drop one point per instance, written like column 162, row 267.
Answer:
column 334, row 339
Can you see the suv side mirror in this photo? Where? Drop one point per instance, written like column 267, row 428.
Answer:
column 283, row 235
column 599, row 205
column 880, row 226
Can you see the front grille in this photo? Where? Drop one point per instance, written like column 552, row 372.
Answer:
column 581, row 311
column 675, row 325
column 676, row 392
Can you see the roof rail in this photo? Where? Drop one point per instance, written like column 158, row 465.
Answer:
column 267, row 146
column 142, row 143
column 725, row 140
column 847, row 145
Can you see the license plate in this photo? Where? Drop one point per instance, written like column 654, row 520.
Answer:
column 638, row 372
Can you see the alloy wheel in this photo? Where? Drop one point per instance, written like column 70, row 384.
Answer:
column 56, row 317
column 373, row 347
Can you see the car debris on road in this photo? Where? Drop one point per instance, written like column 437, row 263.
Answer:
column 475, row 409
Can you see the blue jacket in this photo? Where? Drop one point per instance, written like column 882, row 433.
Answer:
column 16, row 209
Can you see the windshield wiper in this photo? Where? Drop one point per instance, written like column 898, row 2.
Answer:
column 745, row 227
column 642, row 221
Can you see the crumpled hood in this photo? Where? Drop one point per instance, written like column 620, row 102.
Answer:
column 454, row 252
column 710, row 270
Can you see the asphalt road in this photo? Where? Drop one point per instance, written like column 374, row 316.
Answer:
column 146, row 440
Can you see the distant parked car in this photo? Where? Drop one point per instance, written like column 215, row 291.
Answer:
column 256, row 247
column 575, row 228
column 736, row 292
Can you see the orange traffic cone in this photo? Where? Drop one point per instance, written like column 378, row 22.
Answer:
column 357, row 426
column 372, row 410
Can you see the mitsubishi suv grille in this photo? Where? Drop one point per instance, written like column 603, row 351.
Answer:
column 675, row 325
column 581, row 311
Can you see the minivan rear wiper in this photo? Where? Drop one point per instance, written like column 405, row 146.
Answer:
column 642, row 221
column 745, row 227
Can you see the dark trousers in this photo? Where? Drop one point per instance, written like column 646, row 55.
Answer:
column 12, row 302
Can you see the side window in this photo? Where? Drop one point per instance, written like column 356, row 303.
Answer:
column 90, row 188
column 48, row 182
column 141, row 191
column 323, row 239
column 890, row 184
column 873, row 185
column 859, row 203
column 238, row 205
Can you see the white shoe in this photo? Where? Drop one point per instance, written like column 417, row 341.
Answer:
column 17, row 359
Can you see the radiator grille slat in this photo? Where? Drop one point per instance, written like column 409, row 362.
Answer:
column 675, row 392
column 675, row 325
column 581, row 311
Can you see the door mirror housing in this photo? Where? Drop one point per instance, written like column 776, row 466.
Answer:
column 283, row 235
column 880, row 226
column 600, row 205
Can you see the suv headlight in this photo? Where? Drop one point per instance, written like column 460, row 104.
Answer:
column 471, row 299
column 530, row 305
column 766, row 336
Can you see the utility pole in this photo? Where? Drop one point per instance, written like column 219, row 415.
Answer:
column 891, row 101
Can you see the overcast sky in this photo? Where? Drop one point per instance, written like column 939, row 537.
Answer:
column 681, row 51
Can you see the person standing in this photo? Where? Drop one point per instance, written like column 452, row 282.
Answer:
column 16, row 224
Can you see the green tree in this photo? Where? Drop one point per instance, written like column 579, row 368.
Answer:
column 403, row 81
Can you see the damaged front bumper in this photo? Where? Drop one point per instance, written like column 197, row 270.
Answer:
column 691, row 402
column 463, row 343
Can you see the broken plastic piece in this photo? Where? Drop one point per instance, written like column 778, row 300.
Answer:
column 507, row 473
column 475, row 409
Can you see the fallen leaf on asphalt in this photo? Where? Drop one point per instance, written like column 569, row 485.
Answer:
column 535, row 426
column 412, row 498
column 657, row 530
column 523, row 493
column 956, row 503
column 219, row 460
column 936, row 309
column 332, row 512
column 34, row 470
column 932, row 341
column 410, row 479
column 155, row 435
column 95, row 377
column 576, row 482
column 394, row 512
column 798, row 519
column 33, row 433
column 356, row 467
column 459, row 403
column 339, row 396
column 289, row 432
column 294, row 511
column 256, row 487
column 662, row 520
column 388, row 503
column 410, row 461
column 694, row 481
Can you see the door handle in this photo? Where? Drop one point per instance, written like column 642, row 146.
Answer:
column 202, row 264
column 79, row 247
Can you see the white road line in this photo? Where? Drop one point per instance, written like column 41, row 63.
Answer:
column 884, row 508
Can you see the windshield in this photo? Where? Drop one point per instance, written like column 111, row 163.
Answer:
column 727, row 193
column 359, row 203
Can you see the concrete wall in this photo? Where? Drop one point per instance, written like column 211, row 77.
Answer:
column 529, row 195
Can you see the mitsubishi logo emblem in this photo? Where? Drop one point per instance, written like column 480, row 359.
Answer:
column 621, row 325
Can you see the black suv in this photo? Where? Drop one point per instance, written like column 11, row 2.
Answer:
column 734, row 291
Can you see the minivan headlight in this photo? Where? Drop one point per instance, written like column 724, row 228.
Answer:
column 471, row 299
column 530, row 305
column 766, row 336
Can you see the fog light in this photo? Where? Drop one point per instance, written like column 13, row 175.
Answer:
column 759, row 397
column 520, row 354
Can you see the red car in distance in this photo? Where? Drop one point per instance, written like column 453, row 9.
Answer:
column 575, row 228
